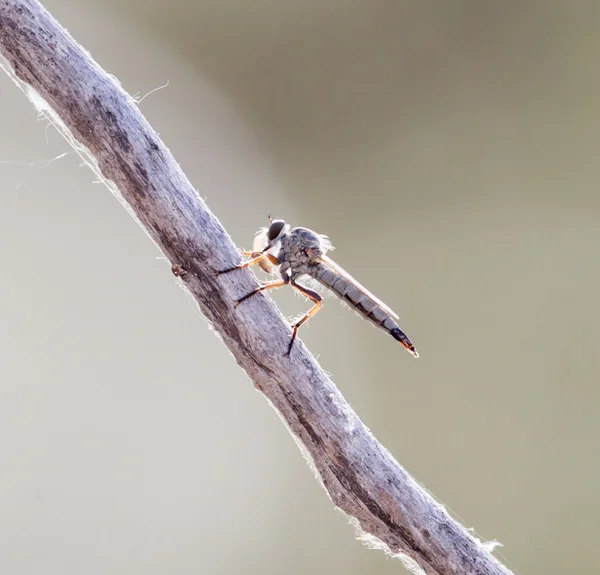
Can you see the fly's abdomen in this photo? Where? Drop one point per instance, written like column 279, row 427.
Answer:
column 363, row 302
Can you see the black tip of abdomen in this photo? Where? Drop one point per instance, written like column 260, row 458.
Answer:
column 400, row 336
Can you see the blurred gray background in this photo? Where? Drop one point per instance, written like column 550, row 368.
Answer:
column 450, row 150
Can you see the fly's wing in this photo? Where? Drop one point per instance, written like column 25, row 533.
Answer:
column 342, row 272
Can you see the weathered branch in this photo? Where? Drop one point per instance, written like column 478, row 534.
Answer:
column 105, row 125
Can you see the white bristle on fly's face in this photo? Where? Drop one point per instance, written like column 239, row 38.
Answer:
column 259, row 244
column 260, row 240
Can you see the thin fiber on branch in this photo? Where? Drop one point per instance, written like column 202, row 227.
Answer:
column 105, row 126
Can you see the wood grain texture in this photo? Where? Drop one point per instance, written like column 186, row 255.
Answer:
column 360, row 476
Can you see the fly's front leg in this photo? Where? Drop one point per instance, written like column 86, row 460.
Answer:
column 258, row 258
column 244, row 265
column 316, row 299
column 285, row 279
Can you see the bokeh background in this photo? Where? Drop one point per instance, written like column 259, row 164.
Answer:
column 450, row 150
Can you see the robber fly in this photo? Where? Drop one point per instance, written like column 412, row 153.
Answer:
column 295, row 252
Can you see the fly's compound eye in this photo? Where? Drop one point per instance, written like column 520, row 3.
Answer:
column 275, row 229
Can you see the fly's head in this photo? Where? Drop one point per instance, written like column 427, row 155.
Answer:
column 268, row 240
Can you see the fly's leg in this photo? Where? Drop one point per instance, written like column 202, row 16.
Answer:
column 245, row 264
column 251, row 262
column 285, row 279
column 316, row 299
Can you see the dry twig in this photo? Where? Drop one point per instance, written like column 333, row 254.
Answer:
column 104, row 124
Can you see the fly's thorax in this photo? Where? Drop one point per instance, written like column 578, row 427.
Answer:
column 294, row 252
column 304, row 238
